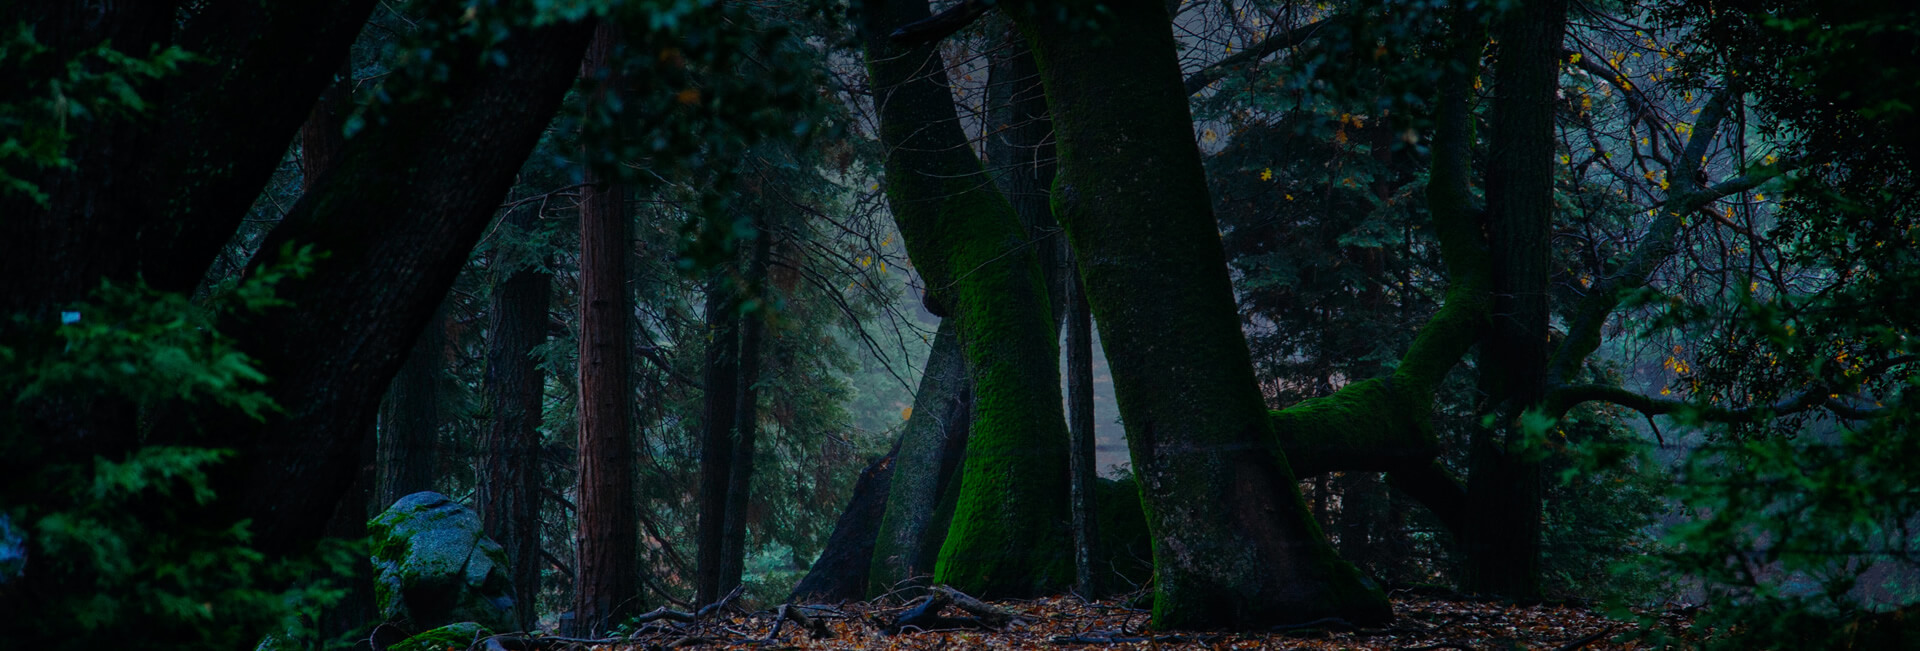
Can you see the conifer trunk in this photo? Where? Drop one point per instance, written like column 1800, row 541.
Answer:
column 410, row 417
column 608, row 571
column 733, row 542
column 722, row 382
column 510, row 465
column 1504, row 490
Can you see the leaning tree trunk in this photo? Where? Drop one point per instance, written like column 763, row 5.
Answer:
column 607, row 587
column 1504, row 489
column 514, row 385
column 1233, row 543
column 397, row 217
column 1008, row 535
column 907, row 543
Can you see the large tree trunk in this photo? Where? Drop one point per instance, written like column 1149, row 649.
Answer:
column 398, row 216
column 321, row 144
column 746, row 417
column 1019, row 149
column 1234, row 544
column 931, row 445
column 410, row 417
column 607, row 587
column 514, row 386
column 1008, row 535
column 722, row 381
column 1502, row 539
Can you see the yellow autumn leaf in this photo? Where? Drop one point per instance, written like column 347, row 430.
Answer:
column 1266, row 174
column 906, row 413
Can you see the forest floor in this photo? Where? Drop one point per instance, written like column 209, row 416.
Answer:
column 1068, row 623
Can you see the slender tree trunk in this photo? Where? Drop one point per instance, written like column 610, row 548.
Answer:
column 1086, row 528
column 514, row 387
column 930, row 446
column 1009, row 532
column 608, row 584
column 410, row 417
column 1234, row 544
column 746, row 417
column 1504, row 491
column 722, row 383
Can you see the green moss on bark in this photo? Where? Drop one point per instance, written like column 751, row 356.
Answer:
column 1234, row 545
column 1007, row 536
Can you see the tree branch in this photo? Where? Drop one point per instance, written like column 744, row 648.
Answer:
column 943, row 24
column 1274, row 43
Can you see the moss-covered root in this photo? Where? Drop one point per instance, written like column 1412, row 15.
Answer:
column 1008, row 532
column 1234, row 545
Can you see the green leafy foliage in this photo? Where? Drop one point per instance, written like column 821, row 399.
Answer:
column 48, row 91
column 119, row 547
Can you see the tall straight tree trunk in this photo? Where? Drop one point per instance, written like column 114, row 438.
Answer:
column 1009, row 531
column 608, row 571
column 1504, row 489
column 722, row 382
column 1086, row 528
column 410, row 417
column 514, row 386
column 1234, row 544
column 746, row 419
column 931, row 445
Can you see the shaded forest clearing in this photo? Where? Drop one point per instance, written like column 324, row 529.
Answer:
column 321, row 317
column 1421, row 623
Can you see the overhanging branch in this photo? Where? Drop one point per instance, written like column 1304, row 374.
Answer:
column 943, row 24
column 1271, row 44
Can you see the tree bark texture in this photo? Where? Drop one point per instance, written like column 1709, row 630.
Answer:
column 510, row 468
column 1020, row 153
column 410, row 417
column 1008, row 535
column 1234, row 545
column 607, row 584
column 930, row 447
column 1502, row 541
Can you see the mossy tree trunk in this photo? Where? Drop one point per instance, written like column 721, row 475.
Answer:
column 1234, row 544
column 1007, row 536
column 1502, row 541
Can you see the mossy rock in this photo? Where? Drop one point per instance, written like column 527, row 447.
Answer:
column 460, row 635
column 433, row 566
